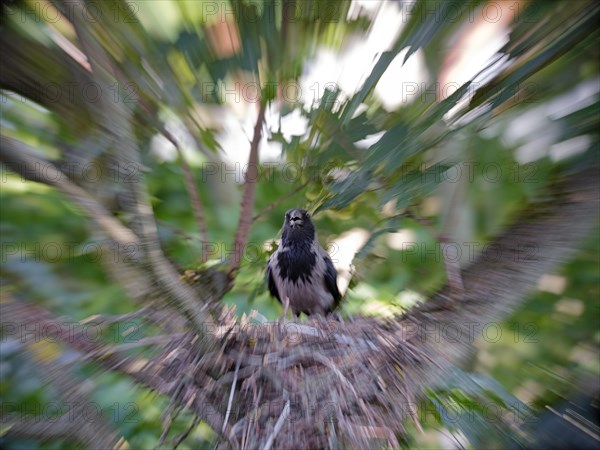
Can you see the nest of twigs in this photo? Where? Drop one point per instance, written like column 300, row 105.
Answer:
column 321, row 383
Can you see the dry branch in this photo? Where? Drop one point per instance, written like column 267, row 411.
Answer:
column 250, row 179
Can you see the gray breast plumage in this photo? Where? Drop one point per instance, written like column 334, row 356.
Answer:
column 299, row 273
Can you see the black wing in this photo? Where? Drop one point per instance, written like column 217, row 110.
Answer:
column 271, row 282
column 331, row 281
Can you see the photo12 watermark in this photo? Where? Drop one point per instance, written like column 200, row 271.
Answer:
column 52, row 412
column 87, row 172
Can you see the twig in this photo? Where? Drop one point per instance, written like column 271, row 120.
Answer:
column 179, row 439
column 243, row 229
column 190, row 186
column 165, row 431
column 178, row 231
column 280, row 200
column 166, row 415
column 278, row 425
column 235, row 375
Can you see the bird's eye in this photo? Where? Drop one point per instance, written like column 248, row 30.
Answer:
column 307, row 215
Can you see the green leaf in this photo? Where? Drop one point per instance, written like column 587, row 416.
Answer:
column 505, row 85
column 346, row 190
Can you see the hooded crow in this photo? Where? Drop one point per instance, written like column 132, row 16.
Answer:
column 300, row 273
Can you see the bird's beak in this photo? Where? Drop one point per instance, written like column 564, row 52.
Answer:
column 296, row 222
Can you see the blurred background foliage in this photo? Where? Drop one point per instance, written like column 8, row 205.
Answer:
column 393, row 122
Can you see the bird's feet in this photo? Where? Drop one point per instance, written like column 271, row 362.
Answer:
column 286, row 306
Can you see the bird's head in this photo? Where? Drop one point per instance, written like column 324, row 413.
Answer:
column 297, row 227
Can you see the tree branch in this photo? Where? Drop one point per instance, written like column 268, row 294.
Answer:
column 17, row 425
column 17, row 316
column 245, row 222
column 21, row 159
column 92, row 431
column 511, row 266
column 116, row 113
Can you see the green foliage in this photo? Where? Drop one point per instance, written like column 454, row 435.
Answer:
column 479, row 407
